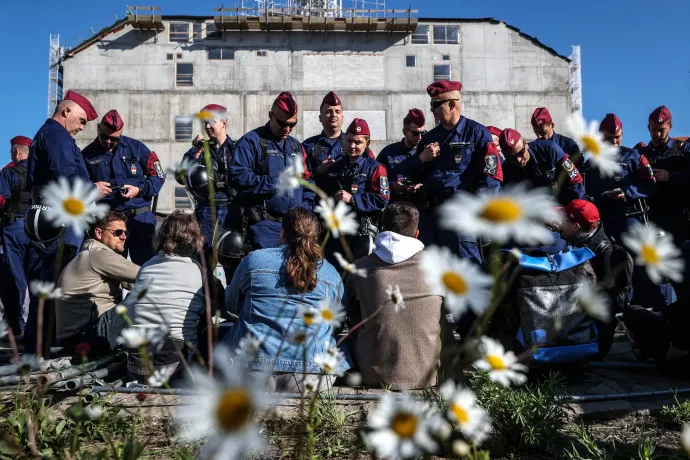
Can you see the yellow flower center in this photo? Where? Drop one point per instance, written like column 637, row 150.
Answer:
column 460, row 414
column 335, row 222
column 496, row 362
column 454, row 283
column 204, row 115
column 404, row 425
column 74, row 206
column 300, row 338
column 591, row 145
column 234, row 410
column 328, row 368
column 308, row 318
column 327, row 314
column 649, row 254
column 502, row 210
column 395, row 298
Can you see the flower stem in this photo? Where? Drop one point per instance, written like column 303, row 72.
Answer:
column 39, row 327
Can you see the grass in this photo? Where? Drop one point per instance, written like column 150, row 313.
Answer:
column 677, row 415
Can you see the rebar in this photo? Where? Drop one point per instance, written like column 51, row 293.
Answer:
column 52, row 377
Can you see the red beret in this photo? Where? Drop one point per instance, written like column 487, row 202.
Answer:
column 494, row 130
column 113, row 121
column 443, row 86
column 582, row 212
column 82, row 102
column 611, row 123
column 660, row 115
column 215, row 108
column 359, row 127
column 287, row 104
column 541, row 116
column 508, row 139
column 20, row 140
column 415, row 116
column 640, row 145
column 331, row 99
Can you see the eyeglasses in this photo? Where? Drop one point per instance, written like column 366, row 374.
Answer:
column 284, row 124
column 436, row 104
column 105, row 137
column 416, row 133
column 118, row 233
column 518, row 155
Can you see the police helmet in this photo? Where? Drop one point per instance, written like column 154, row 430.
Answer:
column 39, row 226
column 230, row 247
column 198, row 180
column 362, row 246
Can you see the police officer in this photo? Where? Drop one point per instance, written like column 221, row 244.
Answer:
column 543, row 127
column 458, row 154
column 260, row 156
column 54, row 153
column 361, row 182
column 128, row 175
column 326, row 148
column 495, row 134
column 221, row 148
column 542, row 163
column 394, row 157
column 16, row 246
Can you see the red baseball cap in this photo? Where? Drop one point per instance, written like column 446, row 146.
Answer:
column 494, row 130
column 20, row 140
column 443, row 86
column 611, row 123
column 359, row 127
column 82, row 102
column 331, row 99
column 660, row 115
column 415, row 116
column 508, row 139
column 286, row 103
column 541, row 116
column 582, row 212
column 215, row 109
column 113, row 121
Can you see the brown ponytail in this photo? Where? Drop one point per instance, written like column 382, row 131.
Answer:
column 301, row 228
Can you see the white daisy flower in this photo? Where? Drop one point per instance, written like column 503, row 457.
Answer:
column 309, row 315
column 289, row 179
column 332, row 312
column 461, row 448
column 121, row 310
column 338, row 218
column 353, row 379
column 299, row 336
column 45, row 290
column 462, row 282
column 138, row 336
column 515, row 212
column 328, row 363
column 655, row 251
column 685, row 439
column 593, row 303
column 224, row 412
column 74, row 204
column 94, row 412
column 161, row 375
column 249, row 346
column 348, row 267
column 601, row 154
column 395, row 297
column 400, row 428
column 28, row 364
column 502, row 365
column 463, row 409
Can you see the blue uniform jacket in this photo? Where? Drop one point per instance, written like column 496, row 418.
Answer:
column 327, row 147
column 132, row 163
column 365, row 179
column 254, row 187
column 673, row 157
column 9, row 182
column 395, row 157
column 54, row 153
column 543, row 169
column 468, row 161
column 568, row 145
column 218, row 154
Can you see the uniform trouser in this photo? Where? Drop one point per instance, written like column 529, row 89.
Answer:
column 264, row 234
column 18, row 255
column 207, row 223
column 139, row 244
column 655, row 332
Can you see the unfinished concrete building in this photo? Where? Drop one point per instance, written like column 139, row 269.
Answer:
column 155, row 69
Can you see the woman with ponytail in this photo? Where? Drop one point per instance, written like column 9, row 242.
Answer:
column 270, row 291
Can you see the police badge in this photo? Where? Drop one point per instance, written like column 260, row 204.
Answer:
column 159, row 169
column 491, row 163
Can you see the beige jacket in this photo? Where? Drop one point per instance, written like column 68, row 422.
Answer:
column 91, row 285
column 398, row 349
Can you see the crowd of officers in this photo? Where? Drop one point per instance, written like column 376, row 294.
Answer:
column 245, row 210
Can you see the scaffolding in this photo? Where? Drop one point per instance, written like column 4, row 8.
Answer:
column 576, row 81
column 54, row 74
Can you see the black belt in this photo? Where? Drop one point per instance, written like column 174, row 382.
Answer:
column 136, row 211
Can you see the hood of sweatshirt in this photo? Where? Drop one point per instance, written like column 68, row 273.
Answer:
column 394, row 248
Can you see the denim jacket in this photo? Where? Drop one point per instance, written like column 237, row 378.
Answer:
column 269, row 310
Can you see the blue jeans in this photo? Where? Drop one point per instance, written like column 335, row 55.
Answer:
column 139, row 244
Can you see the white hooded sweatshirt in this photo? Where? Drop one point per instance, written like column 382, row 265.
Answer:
column 394, row 248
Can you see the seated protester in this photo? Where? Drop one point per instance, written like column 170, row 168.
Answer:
column 396, row 347
column 269, row 292
column 92, row 285
column 169, row 295
column 612, row 264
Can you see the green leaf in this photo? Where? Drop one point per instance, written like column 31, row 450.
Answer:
column 61, row 426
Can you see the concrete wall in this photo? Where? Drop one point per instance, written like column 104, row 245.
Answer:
column 505, row 76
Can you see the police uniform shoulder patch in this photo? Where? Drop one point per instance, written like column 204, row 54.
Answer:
column 159, row 169
column 490, row 164
column 568, row 165
column 383, row 181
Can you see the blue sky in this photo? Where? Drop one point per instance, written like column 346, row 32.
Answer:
column 635, row 54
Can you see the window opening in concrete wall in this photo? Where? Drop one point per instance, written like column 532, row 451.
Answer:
column 179, row 32
column 446, row 35
column 446, row 57
column 221, row 53
column 179, row 55
column 421, row 35
column 212, row 32
column 183, row 129
column 262, row 53
column 182, row 200
column 442, row 72
column 411, row 61
column 197, row 30
column 184, row 74
column 169, row 56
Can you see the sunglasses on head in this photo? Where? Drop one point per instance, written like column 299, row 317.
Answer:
column 284, row 124
column 105, row 137
column 518, row 155
column 436, row 104
column 118, row 233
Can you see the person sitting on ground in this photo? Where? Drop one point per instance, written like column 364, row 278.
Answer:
column 396, row 347
column 92, row 285
column 168, row 295
column 612, row 264
column 271, row 291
